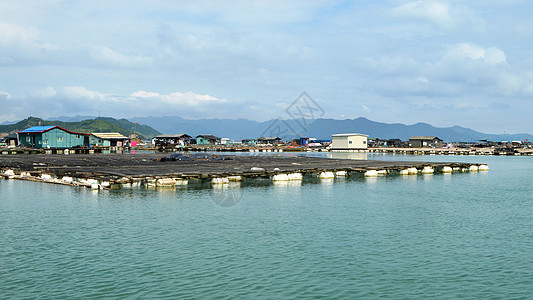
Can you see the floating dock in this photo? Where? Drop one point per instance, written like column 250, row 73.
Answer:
column 154, row 169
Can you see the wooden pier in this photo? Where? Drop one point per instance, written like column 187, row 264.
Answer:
column 150, row 168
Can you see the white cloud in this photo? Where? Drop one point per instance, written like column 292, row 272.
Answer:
column 471, row 52
column 5, row 95
column 108, row 56
column 178, row 98
column 77, row 92
column 432, row 11
column 10, row 33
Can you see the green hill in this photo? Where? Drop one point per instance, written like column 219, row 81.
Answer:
column 122, row 126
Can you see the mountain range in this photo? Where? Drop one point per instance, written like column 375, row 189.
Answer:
column 320, row 128
column 238, row 129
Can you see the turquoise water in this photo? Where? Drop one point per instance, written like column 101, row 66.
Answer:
column 433, row 236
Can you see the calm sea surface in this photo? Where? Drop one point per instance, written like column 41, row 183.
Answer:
column 429, row 236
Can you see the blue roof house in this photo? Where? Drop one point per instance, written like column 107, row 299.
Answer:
column 52, row 137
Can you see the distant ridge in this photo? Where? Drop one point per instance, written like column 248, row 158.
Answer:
column 320, row 128
column 122, row 126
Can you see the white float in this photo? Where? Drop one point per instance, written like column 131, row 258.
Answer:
column 220, row 180
column 295, row 176
column 280, row 177
column 46, row 177
column 164, row 182
column 326, row 175
column 404, row 172
column 446, row 170
column 341, row 173
column 95, row 186
column 382, row 172
column 483, row 168
column 67, row 179
column 473, row 168
column 235, row 178
column 371, row 173
column 9, row 174
column 427, row 170
column 412, row 171
column 181, row 181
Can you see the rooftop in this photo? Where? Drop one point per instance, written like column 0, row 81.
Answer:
column 109, row 135
column 350, row 134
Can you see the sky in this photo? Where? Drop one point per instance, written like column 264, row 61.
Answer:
column 446, row 63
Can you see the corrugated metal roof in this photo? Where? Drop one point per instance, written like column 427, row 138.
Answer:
column 41, row 129
column 173, row 136
column 208, row 137
column 37, row 129
column 423, row 138
column 109, row 135
column 350, row 134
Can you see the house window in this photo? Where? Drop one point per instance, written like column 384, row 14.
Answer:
column 28, row 139
column 364, row 142
column 349, row 142
column 78, row 136
column 39, row 142
column 45, row 142
column 59, row 139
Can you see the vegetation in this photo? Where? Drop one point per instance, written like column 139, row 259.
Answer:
column 122, row 126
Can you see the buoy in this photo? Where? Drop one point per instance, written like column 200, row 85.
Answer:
column 235, row 178
column 280, row 177
column 341, row 173
column 427, row 170
column 219, row 180
column 473, row 168
column 326, row 175
column 446, row 170
column 164, row 182
column 371, row 173
column 46, row 177
column 483, row 168
column 181, row 181
column 67, row 179
column 295, row 176
column 9, row 174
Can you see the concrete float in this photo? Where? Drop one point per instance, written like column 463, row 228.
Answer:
column 483, row 168
column 473, row 168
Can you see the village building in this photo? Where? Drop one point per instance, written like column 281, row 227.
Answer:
column 425, row 141
column 52, row 137
column 108, row 139
column 349, row 141
column 207, row 139
column 10, row 140
column 250, row 142
column 180, row 139
column 268, row 140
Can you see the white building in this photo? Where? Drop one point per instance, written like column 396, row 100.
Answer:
column 349, row 142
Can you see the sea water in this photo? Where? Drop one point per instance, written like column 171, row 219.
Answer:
column 464, row 235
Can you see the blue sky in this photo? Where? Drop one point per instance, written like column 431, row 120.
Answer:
column 446, row 63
